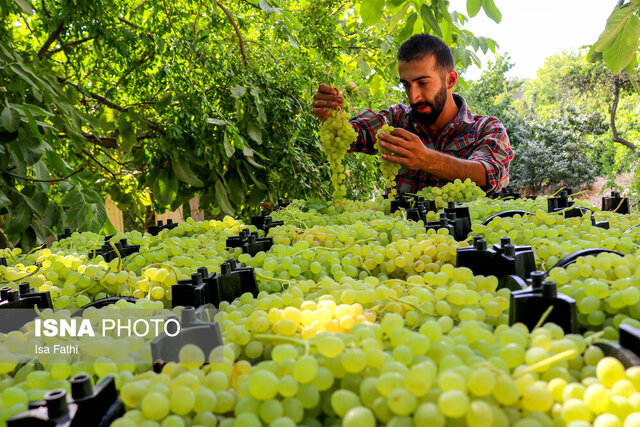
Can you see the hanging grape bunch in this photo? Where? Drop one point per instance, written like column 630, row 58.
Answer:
column 336, row 136
column 389, row 169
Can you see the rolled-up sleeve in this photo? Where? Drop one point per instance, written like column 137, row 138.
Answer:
column 367, row 123
column 493, row 150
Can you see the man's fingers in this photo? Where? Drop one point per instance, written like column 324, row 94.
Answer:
column 392, row 140
column 402, row 133
column 395, row 159
column 326, row 97
column 325, row 104
column 396, row 149
column 327, row 89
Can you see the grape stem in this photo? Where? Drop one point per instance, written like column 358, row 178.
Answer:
column 543, row 317
column 290, row 340
column 119, row 256
column 415, row 306
column 568, row 354
column 276, row 279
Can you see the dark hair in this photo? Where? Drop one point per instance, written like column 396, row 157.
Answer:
column 421, row 45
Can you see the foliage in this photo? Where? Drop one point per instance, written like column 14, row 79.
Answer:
column 617, row 46
column 557, row 153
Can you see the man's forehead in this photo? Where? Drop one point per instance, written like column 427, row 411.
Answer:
column 424, row 66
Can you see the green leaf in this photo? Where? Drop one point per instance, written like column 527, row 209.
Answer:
column 228, row 145
column 222, row 199
column 72, row 198
column 218, row 122
column 292, row 19
column 316, row 204
column 238, row 91
column 254, row 132
column 52, row 216
column 364, row 67
column 623, row 49
column 430, row 19
column 59, row 165
column 236, row 189
column 164, row 102
column 10, row 119
column 25, row 5
column 76, row 216
column 100, row 213
column 4, row 200
column 407, row 31
column 615, row 23
column 166, row 188
column 491, row 10
column 264, row 5
column 20, row 219
column 185, row 174
column 127, row 134
column 91, row 196
column 473, row 7
column 371, row 11
column 259, row 184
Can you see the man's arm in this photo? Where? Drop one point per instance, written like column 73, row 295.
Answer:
column 367, row 122
column 411, row 152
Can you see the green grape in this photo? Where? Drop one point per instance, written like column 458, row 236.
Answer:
column 155, row 406
column 453, row 403
column 344, row 400
column 359, row 416
column 263, row 385
column 305, row 369
column 191, row 356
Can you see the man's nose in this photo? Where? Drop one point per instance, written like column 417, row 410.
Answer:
column 414, row 96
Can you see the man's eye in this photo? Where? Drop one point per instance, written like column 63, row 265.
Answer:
column 423, row 83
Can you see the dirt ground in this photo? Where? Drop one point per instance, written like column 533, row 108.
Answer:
column 593, row 194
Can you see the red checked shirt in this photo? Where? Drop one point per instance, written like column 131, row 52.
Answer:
column 468, row 136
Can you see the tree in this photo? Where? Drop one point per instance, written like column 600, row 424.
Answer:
column 617, row 46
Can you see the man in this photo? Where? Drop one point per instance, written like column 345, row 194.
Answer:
column 436, row 139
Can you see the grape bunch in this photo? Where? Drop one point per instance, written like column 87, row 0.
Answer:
column 336, row 136
column 389, row 169
column 456, row 191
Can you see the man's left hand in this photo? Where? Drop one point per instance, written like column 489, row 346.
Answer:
column 408, row 148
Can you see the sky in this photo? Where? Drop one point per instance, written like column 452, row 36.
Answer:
column 531, row 31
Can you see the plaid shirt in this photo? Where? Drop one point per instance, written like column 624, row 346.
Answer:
column 468, row 136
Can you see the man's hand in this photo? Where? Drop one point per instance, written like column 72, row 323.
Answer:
column 409, row 149
column 325, row 98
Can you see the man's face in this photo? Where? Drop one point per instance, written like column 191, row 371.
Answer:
column 426, row 88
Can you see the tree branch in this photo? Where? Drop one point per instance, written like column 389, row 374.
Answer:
column 252, row 4
column 614, row 108
column 237, row 30
column 101, row 99
column 45, row 47
column 139, row 5
column 46, row 12
column 169, row 13
column 75, row 43
column 195, row 23
column 100, row 164
column 137, row 64
column 24, row 178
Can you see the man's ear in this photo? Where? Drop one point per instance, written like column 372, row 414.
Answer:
column 452, row 79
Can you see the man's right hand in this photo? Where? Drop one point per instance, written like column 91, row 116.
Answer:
column 325, row 98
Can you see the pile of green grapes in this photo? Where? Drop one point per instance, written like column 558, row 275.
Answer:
column 362, row 319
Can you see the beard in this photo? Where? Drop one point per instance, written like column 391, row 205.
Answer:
column 436, row 104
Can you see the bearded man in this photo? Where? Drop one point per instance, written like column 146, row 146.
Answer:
column 436, row 138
